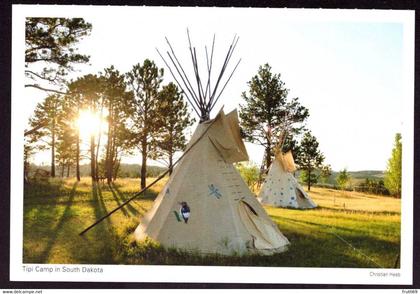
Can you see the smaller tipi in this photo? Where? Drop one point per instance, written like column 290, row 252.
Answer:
column 280, row 188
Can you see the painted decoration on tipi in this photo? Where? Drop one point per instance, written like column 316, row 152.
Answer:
column 185, row 211
column 280, row 188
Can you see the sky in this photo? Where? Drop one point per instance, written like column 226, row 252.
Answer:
column 347, row 71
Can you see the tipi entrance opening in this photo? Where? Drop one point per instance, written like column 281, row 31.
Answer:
column 264, row 234
column 249, row 207
column 301, row 199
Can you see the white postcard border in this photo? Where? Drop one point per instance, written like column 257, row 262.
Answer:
column 211, row 274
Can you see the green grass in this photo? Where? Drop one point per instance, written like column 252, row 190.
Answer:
column 56, row 211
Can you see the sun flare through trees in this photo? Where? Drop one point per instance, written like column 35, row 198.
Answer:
column 90, row 124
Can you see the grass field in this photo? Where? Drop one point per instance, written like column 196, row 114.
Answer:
column 348, row 229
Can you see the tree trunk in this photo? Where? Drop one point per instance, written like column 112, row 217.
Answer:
column 116, row 169
column 114, row 163
column 171, row 154
column 78, row 157
column 143, row 164
column 268, row 142
column 99, row 141
column 78, row 148
column 309, row 179
column 62, row 170
column 26, row 172
column 108, row 156
column 68, row 170
column 268, row 157
column 96, row 158
column 92, row 158
column 53, row 149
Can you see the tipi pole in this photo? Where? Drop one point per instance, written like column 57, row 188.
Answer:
column 221, row 91
column 182, row 88
column 209, row 67
column 125, row 203
column 148, row 186
column 181, row 69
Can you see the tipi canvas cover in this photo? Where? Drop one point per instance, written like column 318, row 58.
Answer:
column 281, row 189
column 206, row 207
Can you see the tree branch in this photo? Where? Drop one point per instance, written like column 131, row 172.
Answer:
column 41, row 125
column 45, row 89
column 41, row 77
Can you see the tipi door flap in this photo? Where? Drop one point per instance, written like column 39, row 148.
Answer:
column 300, row 193
column 265, row 236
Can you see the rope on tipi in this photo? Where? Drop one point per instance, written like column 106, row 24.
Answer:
column 150, row 185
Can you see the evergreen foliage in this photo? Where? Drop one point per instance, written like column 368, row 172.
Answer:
column 46, row 114
column 174, row 118
column 144, row 80
column 50, row 51
column 310, row 157
column 268, row 116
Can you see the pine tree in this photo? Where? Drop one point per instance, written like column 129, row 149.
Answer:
column 174, row 118
column 394, row 168
column 268, row 115
column 309, row 179
column 67, row 135
column 310, row 157
column 46, row 114
column 120, row 105
column 144, row 80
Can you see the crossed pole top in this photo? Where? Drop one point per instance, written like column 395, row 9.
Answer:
column 204, row 95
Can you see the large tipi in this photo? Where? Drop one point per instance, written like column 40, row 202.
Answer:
column 280, row 188
column 205, row 206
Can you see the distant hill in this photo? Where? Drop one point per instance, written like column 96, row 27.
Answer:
column 370, row 174
column 356, row 176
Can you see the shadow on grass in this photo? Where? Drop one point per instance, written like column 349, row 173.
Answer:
column 149, row 194
column 58, row 228
column 102, row 231
column 119, row 196
column 118, row 200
